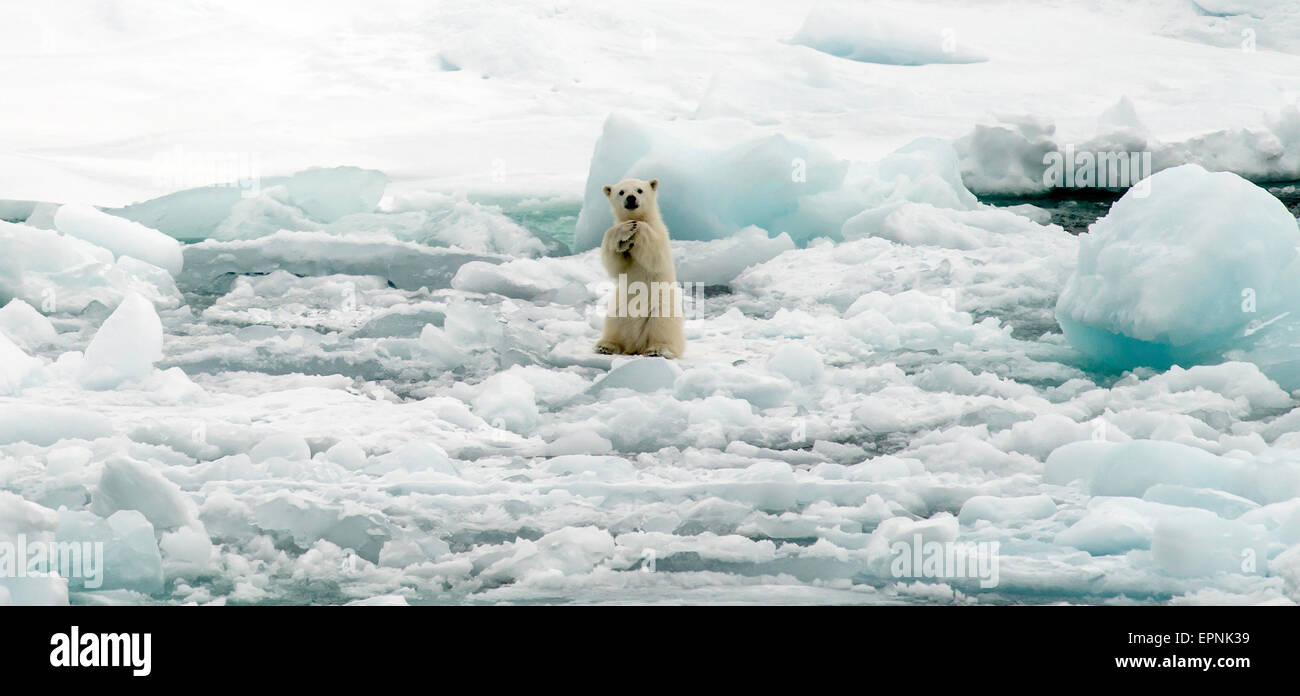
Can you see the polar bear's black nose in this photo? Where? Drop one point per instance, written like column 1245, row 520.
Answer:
column 630, row 203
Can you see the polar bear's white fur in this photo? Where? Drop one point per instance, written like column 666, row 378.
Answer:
column 644, row 316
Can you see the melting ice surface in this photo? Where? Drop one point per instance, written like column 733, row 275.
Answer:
column 341, row 389
column 401, row 404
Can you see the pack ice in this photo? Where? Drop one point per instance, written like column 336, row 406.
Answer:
column 352, row 388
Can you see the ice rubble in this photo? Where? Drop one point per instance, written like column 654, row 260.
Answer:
column 127, row 484
column 330, row 194
column 373, row 420
column 16, row 366
column 441, row 219
column 917, row 224
column 1011, row 154
column 61, row 273
column 46, row 425
column 537, row 280
column 436, row 220
column 780, row 185
column 719, row 262
column 357, row 427
column 880, row 34
column 1275, row 348
column 131, row 558
column 125, row 347
column 342, row 201
column 122, row 237
column 642, row 375
column 1181, row 274
column 406, row 265
column 320, row 195
column 706, row 193
column 23, row 325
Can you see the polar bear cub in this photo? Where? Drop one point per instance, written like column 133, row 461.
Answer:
column 645, row 314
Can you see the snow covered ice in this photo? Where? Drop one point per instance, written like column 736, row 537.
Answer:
column 356, row 366
column 122, row 237
column 1180, row 268
column 871, row 35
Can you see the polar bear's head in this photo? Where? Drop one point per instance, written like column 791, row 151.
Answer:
column 633, row 199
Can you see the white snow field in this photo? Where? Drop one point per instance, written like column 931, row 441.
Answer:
column 297, row 303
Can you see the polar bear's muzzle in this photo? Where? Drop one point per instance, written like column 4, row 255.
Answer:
column 630, row 203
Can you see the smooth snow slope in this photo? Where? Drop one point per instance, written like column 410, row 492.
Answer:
column 116, row 102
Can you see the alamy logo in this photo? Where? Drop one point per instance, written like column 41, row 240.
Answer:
column 946, row 560
column 182, row 169
column 1101, row 169
column 77, row 649
column 23, row 558
column 636, row 299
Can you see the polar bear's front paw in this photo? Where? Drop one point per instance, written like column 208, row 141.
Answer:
column 627, row 235
column 659, row 352
column 606, row 348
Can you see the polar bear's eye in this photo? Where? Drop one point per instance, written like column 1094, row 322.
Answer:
column 620, row 193
column 639, row 191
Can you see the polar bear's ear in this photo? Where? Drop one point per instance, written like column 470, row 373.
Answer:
column 607, row 190
column 654, row 184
